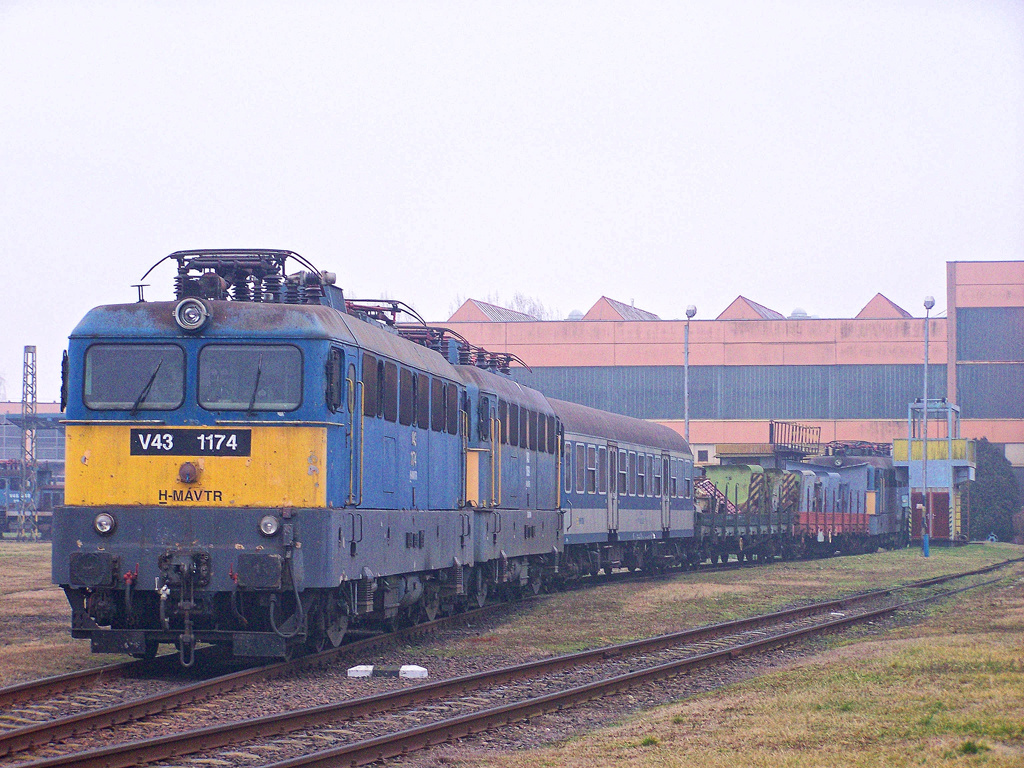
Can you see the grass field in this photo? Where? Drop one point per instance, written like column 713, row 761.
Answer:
column 948, row 691
column 35, row 617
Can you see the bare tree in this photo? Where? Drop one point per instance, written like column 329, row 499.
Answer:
column 528, row 305
column 519, row 302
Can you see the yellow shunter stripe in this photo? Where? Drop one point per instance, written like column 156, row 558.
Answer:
column 287, row 468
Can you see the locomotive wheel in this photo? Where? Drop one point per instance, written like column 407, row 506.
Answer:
column 431, row 604
column 535, row 584
column 317, row 639
column 480, row 597
column 337, row 625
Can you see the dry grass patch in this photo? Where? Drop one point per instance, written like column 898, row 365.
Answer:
column 952, row 695
column 35, row 639
column 615, row 613
column 24, row 565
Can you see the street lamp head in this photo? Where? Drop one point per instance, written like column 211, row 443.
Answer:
column 690, row 311
column 929, row 302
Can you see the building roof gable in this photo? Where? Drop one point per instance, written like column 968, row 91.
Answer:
column 475, row 311
column 743, row 308
column 610, row 309
column 882, row 308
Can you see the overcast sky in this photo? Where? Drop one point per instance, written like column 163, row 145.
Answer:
column 803, row 154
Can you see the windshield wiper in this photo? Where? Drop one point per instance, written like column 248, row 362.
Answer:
column 145, row 390
column 256, row 386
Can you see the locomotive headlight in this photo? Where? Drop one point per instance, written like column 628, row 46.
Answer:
column 269, row 525
column 104, row 524
column 191, row 315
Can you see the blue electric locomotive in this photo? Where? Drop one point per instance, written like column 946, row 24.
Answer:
column 259, row 464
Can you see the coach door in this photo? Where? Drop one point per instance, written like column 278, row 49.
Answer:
column 661, row 484
column 613, row 487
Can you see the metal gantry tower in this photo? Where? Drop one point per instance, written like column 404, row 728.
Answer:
column 28, row 523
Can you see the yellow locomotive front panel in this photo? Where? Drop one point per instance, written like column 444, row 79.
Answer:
column 243, row 466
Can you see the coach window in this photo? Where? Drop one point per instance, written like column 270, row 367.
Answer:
column 657, row 476
column 650, row 475
column 567, row 467
column 552, row 435
column 452, row 409
column 407, row 398
column 623, row 473
column 641, row 476
column 423, row 401
column 437, row 405
column 631, row 476
column 390, row 394
column 591, row 469
column 121, row 377
column 674, row 484
column 581, row 467
column 513, row 424
column 250, row 377
column 602, row 470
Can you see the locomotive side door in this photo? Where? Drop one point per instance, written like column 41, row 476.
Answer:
column 613, row 487
column 666, row 507
column 340, row 400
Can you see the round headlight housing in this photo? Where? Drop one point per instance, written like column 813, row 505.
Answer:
column 269, row 525
column 191, row 315
column 104, row 523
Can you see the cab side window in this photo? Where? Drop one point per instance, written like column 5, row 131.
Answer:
column 335, row 380
column 483, row 410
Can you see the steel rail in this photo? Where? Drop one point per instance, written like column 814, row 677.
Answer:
column 73, row 681
column 413, row 739
column 175, row 745
column 26, row 737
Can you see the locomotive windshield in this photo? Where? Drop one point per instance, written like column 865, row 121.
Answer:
column 121, row 377
column 235, row 377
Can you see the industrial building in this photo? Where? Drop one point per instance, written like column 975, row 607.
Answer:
column 852, row 377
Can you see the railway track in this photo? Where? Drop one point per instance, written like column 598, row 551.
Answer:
column 125, row 682
column 392, row 723
column 103, row 697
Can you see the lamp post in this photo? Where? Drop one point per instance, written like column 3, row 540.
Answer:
column 690, row 312
column 926, row 522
